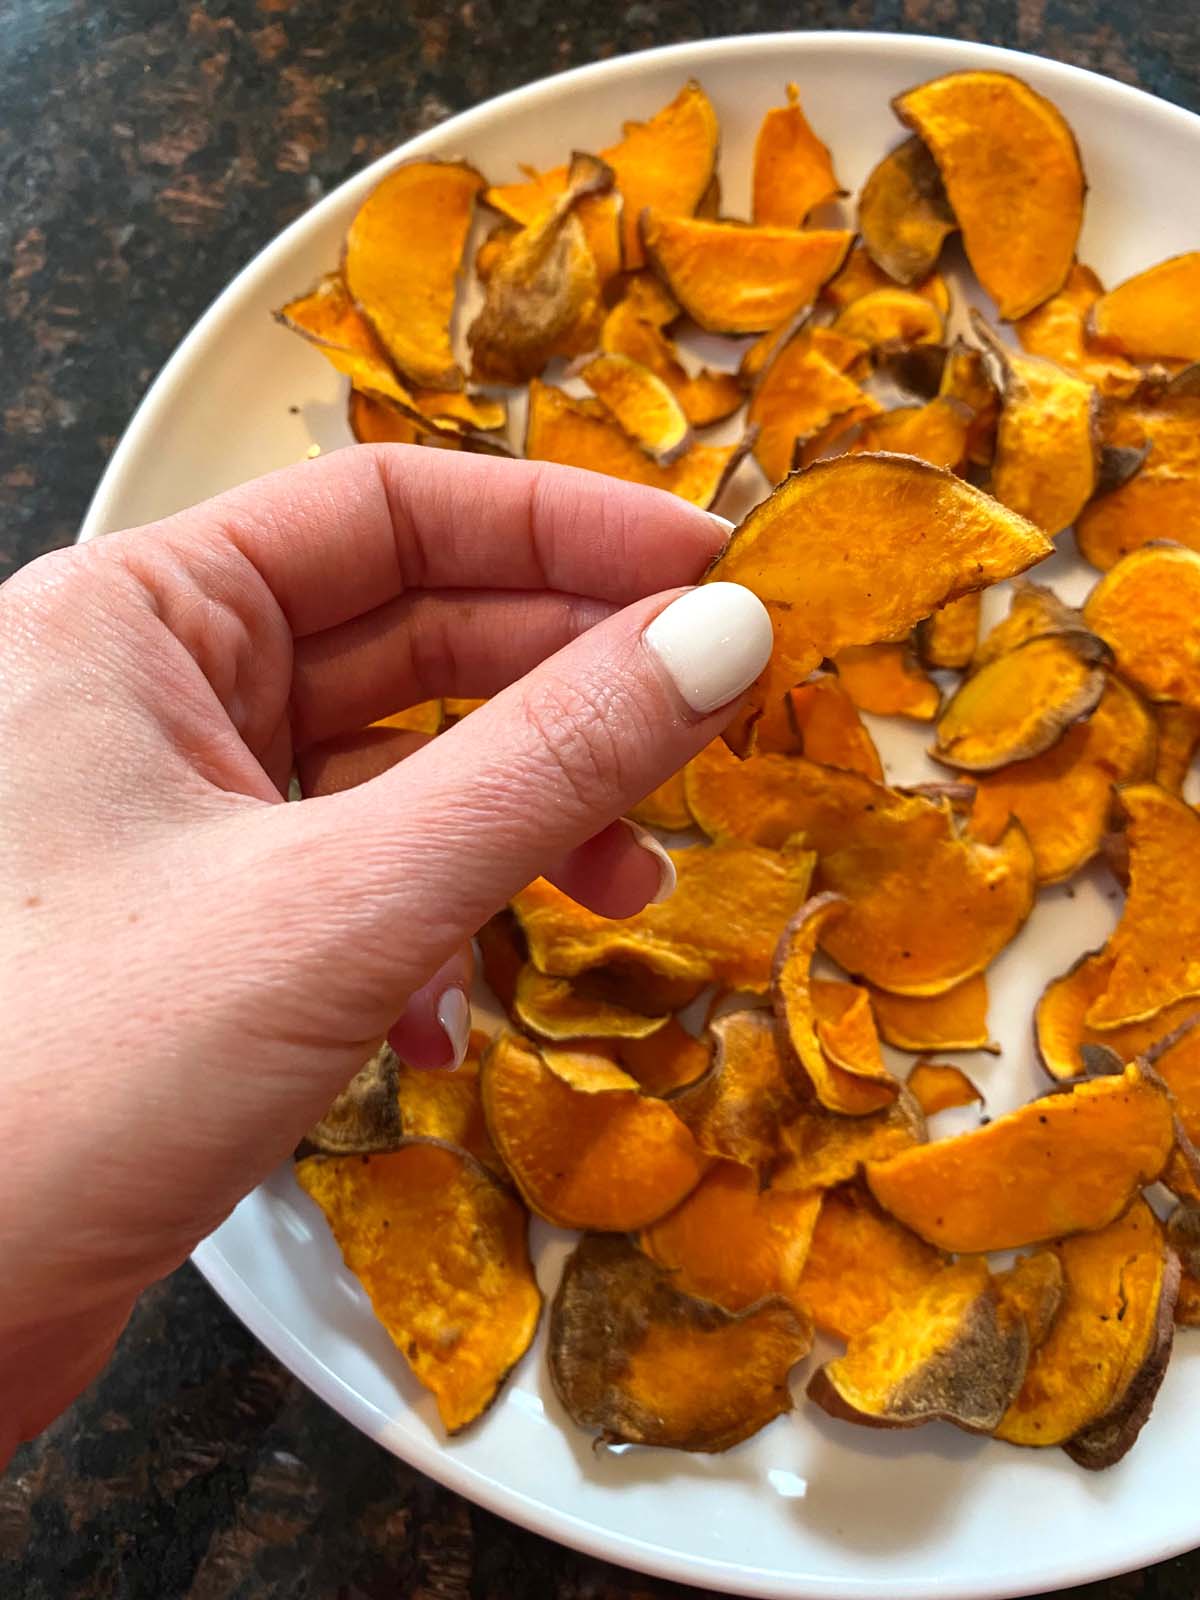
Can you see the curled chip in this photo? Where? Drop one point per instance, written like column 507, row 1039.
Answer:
column 1164, row 496
column 634, row 328
column 936, row 432
column 887, row 316
column 669, row 1059
column 965, row 378
column 1022, row 703
column 929, row 907
column 596, row 1154
column 948, row 638
column 719, row 926
column 1012, row 175
column 822, row 1149
column 1062, row 798
column 956, row 1019
column 664, row 807
column 449, row 1106
column 737, row 1108
column 734, row 1242
column 365, row 1117
column 1032, row 1289
column 599, row 216
column 793, row 170
column 441, row 1249
column 938, row 1086
column 888, row 680
column 1145, row 609
column 735, row 279
column 542, row 298
column 1178, row 737
column 1153, row 315
column 1183, row 1237
column 402, row 259
column 843, row 1065
column 581, row 433
column 1057, row 330
column 828, row 728
column 945, row 1352
column 1061, row 1033
column 858, row 275
column 903, row 213
column 1092, row 1382
column 1101, row 1142
column 1033, row 610
column 644, row 406
column 860, row 1264
column 553, row 1008
column 645, row 1363
column 805, row 387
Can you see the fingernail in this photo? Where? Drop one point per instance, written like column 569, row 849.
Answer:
column 713, row 641
column 726, row 527
column 454, row 1018
column 646, row 841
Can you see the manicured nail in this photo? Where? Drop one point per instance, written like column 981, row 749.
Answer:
column 646, row 841
column 726, row 527
column 454, row 1018
column 713, row 641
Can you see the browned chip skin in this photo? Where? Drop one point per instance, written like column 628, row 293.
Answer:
column 736, row 1110
column 365, row 1117
column 903, row 213
column 1183, row 1237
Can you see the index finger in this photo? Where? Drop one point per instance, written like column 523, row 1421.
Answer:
column 336, row 537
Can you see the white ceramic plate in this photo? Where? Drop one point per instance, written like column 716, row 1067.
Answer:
column 810, row 1507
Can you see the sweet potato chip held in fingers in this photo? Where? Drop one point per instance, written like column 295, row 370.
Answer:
column 903, row 213
column 888, row 316
column 828, row 729
column 449, row 1106
column 943, row 1353
column 1022, row 703
column 1097, row 1145
column 604, row 1156
column 1061, row 1033
column 939, row 1086
column 705, row 398
column 1164, row 496
column 802, row 390
column 664, row 807
column 1012, row 175
column 552, row 1008
column 637, row 1358
column 1183, row 1237
column 441, row 1249
column 735, row 279
column 643, row 405
column 937, row 432
column 948, row 638
column 732, row 1241
column 1178, row 738
column 1057, row 330
column 1032, row 1289
column 365, row 1116
column 1145, row 609
column 793, row 170
column 822, row 1148
column 1154, row 315
column 888, row 680
column 956, row 1019
column 737, row 1108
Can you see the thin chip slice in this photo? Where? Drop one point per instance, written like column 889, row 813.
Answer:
column 1022, row 703
column 644, row 406
column 585, row 1157
column 1145, row 609
column 956, row 1019
column 667, row 1060
column 937, row 432
column 1057, row 330
column 706, row 397
column 947, row 640
column 859, row 275
column 734, row 1242
column 827, row 727
column 599, row 217
column 736, row 1110
column 402, row 258
column 553, row 1008
column 1178, row 738
column 1175, row 1056
column 860, row 1264
column 1154, row 315
column 373, row 421
column 1164, row 496
column 1011, row 171
column 1183, row 1237
column 942, row 1353
column 425, row 717
column 1033, row 610
column 735, row 279
column 502, row 954
column 903, row 213
column 938, row 1086
column 965, row 378
column 803, row 389
column 1101, row 1142
column 1032, row 1289
column 823, row 1149
column 632, row 1355
column 1062, row 1034
column 893, row 315
column 793, row 170
column 668, row 162
column 449, row 1106
column 441, row 1249
column 664, row 807
column 365, row 1117
column 888, row 680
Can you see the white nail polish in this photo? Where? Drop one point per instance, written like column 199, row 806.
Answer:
column 454, row 1017
column 713, row 641
column 726, row 527
column 646, row 841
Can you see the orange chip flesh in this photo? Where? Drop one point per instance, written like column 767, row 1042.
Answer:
column 449, row 1106
column 802, row 390
column 735, row 279
column 1145, row 611
column 936, row 432
column 793, row 170
column 666, row 1060
column 903, row 213
column 965, row 378
column 1022, row 703
column 937, row 1086
column 553, row 1008
column 644, row 406
column 719, row 926
column 733, row 1242
column 823, row 1149
column 632, row 1355
column 664, row 807
column 441, row 1249
column 1057, row 330
column 365, row 1117
column 888, row 680
column 667, row 162
column 956, row 1019
column 1033, row 610
column 828, row 729
column 1106, row 1339
column 1154, row 314
column 1183, row 1237
column 860, row 1263
column 374, row 422
column 1032, row 1289
column 1102, row 1141
column 705, row 398
column 886, row 315
column 1175, row 1056
column 1061, row 1032
column 402, row 258
column 1062, row 798
column 858, row 275
column 599, row 217
column 1163, row 497
column 948, row 638
column 928, row 907
column 1178, row 737
column 737, row 1108
column 427, row 717
column 1011, row 171
column 610, row 1159
column 944, row 1352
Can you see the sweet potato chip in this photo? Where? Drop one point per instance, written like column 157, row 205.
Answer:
column 599, row 217
column 441, row 1249
column 553, row 1008
column 738, row 1107
column 1178, row 737
column 1022, row 703
column 733, row 1242
column 1164, row 496
column 1105, row 1351
column 936, row 432
column 1183, row 1237
column 425, row 717
column 449, row 1106
column 859, row 275
column 401, row 263
column 888, row 680
column 664, row 807
column 365, row 1116
column 719, row 926
column 706, row 397
column 1057, row 330
column 1175, row 1056
column 965, row 378
column 735, row 279
column 948, row 638
column 1033, row 610
column 373, row 421
column 956, row 1019
column 608, row 1158
column 1011, row 171
column 1032, row 1289
column 823, row 1149
column 1145, row 609
column 580, row 433
column 502, row 955
column 803, row 389
column 1097, row 1145
column 666, row 1060
column 937, row 1086
column 828, row 729
column 643, row 405
column 1062, row 797
column 890, row 315
column 944, row 1352
column 1061, row 1033
column 903, row 213
column 1153, row 315
column 645, row 1363
column 793, row 170
column 488, row 255
column 860, row 1264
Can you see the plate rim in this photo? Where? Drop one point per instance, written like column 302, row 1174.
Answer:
column 430, row 1456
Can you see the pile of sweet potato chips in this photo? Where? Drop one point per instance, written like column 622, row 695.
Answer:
column 762, row 1174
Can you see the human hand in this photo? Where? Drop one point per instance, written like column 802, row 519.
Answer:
column 190, row 969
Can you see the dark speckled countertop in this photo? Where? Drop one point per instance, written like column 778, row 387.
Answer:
column 147, row 149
